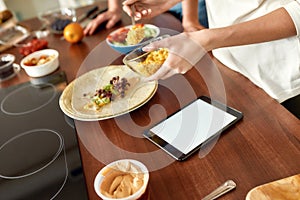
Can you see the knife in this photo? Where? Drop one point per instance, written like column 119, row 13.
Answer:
column 87, row 14
column 94, row 15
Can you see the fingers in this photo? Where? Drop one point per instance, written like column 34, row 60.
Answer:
column 140, row 10
column 113, row 21
column 111, row 17
column 128, row 10
column 92, row 26
column 129, row 2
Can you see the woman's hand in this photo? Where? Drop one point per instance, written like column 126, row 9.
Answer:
column 184, row 53
column 147, row 8
column 110, row 16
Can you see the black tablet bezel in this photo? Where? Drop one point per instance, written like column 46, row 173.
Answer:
column 177, row 154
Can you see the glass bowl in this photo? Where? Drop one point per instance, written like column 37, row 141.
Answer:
column 56, row 20
column 146, row 63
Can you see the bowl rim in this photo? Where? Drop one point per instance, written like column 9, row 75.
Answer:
column 10, row 62
column 46, row 18
column 133, row 45
column 33, row 54
column 125, row 59
column 99, row 177
column 41, row 15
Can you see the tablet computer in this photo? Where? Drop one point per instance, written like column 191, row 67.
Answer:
column 184, row 132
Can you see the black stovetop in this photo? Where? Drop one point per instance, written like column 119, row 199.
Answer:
column 39, row 155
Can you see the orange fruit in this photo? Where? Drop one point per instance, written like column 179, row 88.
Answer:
column 73, row 32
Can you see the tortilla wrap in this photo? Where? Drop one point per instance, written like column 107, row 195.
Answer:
column 73, row 100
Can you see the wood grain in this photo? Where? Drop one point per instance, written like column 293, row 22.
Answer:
column 286, row 188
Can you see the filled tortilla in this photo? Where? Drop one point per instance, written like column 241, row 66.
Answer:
column 136, row 94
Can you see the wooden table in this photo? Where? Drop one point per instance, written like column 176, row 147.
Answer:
column 263, row 147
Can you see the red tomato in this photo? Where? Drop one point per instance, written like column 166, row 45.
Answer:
column 33, row 45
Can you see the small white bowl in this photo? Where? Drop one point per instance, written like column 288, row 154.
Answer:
column 100, row 177
column 43, row 69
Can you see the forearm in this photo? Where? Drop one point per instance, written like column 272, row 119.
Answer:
column 190, row 11
column 273, row 26
column 115, row 5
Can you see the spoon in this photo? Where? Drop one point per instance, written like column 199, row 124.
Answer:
column 222, row 189
column 132, row 17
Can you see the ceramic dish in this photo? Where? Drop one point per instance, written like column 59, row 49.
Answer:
column 123, row 166
column 72, row 101
column 116, row 39
column 49, row 65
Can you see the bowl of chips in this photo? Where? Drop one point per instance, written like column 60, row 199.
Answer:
column 128, row 38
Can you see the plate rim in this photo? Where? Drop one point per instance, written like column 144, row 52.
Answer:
column 99, row 118
column 129, row 26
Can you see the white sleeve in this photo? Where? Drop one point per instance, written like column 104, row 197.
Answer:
column 293, row 8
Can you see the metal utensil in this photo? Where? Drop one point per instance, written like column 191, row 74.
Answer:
column 224, row 188
column 87, row 14
column 132, row 17
column 98, row 12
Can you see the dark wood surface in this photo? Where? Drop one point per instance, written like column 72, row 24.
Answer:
column 263, row 147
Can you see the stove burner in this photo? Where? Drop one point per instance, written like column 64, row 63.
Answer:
column 23, row 154
column 39, row 156
column 36, row 98
column 26, row 155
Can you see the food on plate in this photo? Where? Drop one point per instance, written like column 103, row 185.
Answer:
column 151, row 63
column 122, row 181
column 120, row 37
column 39, row 61
column 32, row 46
column 73, row 32
column 5, row 15
column 136, row 34
column 116, row 88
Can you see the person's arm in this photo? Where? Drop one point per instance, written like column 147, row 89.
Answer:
column 190, row 19
column 111, row 16
column 273, row 26
column 148, row 8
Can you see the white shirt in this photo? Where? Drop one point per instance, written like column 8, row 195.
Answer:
column 273, row 66
column 2, row 5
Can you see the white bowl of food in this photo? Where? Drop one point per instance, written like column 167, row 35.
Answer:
column 40, row 63
column 123, row 180
column 118, row 39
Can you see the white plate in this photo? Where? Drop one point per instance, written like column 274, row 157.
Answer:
column 72, row 100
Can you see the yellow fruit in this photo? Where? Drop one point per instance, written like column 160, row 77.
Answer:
column 73, row 32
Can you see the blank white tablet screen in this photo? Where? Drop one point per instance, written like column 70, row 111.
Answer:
column 191, row 126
